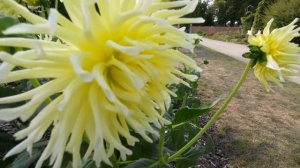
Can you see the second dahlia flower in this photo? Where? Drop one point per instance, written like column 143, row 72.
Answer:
column 280, row 57
column 108, row 73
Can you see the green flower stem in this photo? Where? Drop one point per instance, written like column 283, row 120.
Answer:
column 215, row 116
column 161, row 146
column 126, row 162
column 35, row 83
column 56, row 4
column 184, row 100
column 114, row 161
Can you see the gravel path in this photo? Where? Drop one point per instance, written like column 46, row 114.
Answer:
column 231, row 49
column 234, row 50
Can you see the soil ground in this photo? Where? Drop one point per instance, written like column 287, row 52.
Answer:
column 259, row 128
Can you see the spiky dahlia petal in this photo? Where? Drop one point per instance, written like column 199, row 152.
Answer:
column 280, row 53
column 110, row 72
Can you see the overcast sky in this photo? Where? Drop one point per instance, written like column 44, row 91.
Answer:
column 209, row 1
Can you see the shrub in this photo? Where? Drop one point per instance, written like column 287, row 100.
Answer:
column 283, row 12
column 263, row 5
column 201, row 33
column 247, row 22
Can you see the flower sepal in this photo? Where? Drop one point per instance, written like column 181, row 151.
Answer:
column 255, row 53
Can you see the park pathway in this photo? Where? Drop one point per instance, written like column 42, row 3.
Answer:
column 233, row 50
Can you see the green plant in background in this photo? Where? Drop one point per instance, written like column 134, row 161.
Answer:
column 247, row 22
column 103, row 97
column 263, row 5
column 283, row 12
column 5, row 23
column 201, row 33
column 278, row 11
column 235, row 37
column 232, row 10
column 281, row 15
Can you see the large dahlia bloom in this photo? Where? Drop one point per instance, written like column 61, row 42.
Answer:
column 281, row 57
column 109, row 69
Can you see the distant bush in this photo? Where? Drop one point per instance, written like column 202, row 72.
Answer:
column 201, row 33
column 263, row 5
column 247, row 22
column 283, row 12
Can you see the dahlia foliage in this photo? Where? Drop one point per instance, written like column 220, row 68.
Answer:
column 108, row 69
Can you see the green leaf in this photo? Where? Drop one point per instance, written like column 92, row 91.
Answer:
column 89, row 164
column 143, row 162
column 6, row 22
column 254, row 49
column 249, row 55
column 197, row 41
column 193, row 102
column 143, row 149
column 7, row 142
column 205, row 62
column 186, row 113
column 180, row 135
column 209, row 144
column 67, row 160
column 7, row 91
column 24, row 160
column 190, row 158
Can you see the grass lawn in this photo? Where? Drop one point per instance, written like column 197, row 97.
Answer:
column 259, row 128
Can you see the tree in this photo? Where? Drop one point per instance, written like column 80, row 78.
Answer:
column 232, row 10
column 203, row 10
column 259, row 14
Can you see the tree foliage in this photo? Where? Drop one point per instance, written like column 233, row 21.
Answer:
column 232, row 10
column 283, row 12
column 203, row 10
column 263, row 5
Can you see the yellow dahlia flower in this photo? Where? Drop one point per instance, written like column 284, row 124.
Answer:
column 110, row 72
column 280, row 56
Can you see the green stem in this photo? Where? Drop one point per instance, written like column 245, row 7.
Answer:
column 42, row 13
column 35, row 83
column 161, row 146
column 114, row 161
column 56, row 4
column 125, row 162
column 184, row 100
column 215, row 116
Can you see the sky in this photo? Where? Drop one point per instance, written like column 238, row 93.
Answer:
column 209, row 1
